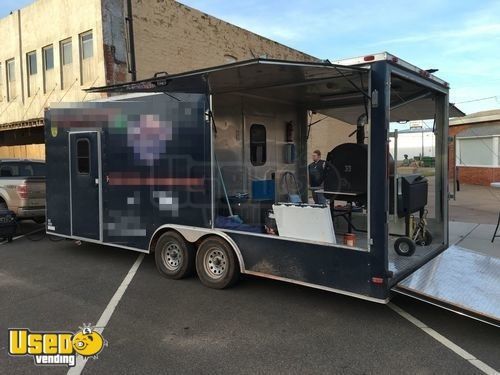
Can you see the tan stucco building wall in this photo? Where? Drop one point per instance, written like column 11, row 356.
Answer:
column 31, row 29
column 168, row 36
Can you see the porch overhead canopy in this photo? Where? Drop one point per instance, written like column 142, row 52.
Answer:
column 335, row 90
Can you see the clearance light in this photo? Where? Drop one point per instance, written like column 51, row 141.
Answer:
column 377, row 280
column 369, row 58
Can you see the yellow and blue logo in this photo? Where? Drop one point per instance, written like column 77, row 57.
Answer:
column 56, row 348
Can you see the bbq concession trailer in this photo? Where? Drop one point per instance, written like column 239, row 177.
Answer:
column 208, row 170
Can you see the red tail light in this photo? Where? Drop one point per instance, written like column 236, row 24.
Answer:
column 377, row 280
column 22, row 190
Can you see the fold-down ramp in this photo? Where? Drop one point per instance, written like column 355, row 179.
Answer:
column 459, row 280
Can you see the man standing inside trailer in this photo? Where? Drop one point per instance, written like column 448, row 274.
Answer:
column 316, row 176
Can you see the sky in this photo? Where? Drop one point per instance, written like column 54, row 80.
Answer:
column 460, row 38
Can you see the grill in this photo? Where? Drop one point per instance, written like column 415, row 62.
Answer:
column 346, row 171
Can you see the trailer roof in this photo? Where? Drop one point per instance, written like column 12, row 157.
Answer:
column 238, row 76
column 338, row 91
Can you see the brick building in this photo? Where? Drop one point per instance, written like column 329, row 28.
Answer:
column 474, row 153
column 54, row 49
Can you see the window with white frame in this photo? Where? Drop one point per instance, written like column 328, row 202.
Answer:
column 66, row 51
column 87, row 45
column 48, row 58
column 478, row 151
column 32, row 68
column 49, row 80
column 10, row 67
column 31, row 61
column 86, row 58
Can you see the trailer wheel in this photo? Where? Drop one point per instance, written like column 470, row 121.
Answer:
column 404, row 246
column 216, row 263
column 174, row 256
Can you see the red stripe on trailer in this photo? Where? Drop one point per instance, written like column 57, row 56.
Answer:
column 118, row 179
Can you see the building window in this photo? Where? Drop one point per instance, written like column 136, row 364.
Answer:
column 32, row 71
column 86, row 61
column 31, row 59
column 66, row 48
column 48, row 58
column 83, row 156
column 11, row 79
column 48, row 68
column 66, row 52
column 87, row 45
column 477, row 152
column 258, row 145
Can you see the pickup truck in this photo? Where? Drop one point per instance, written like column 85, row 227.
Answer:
column 22, row 188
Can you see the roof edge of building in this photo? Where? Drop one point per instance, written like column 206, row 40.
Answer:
column 474, row 120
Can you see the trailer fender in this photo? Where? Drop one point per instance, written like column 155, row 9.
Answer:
column 194, row 234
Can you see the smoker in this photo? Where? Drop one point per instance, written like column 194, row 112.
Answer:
column 346, row 174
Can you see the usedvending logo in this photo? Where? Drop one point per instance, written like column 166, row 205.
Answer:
column 56, row 348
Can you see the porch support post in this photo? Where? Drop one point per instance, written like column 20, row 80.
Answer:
column 378, row 175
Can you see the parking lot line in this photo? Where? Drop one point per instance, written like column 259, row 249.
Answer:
column 13, row 239
column 108, row 311
column 22, row 235
column 444, row 341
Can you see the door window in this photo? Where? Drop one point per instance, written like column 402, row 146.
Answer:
column 83, row 156
column 258, row 145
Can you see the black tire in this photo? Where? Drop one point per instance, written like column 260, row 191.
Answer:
column 174, row 256
column 404, row 246
column 3, row 205
column 216, row 263
column 427, row 240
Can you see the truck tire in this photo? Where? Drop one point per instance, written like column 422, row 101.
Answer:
column 174, row 256
column 3, row 205
column 216, row 263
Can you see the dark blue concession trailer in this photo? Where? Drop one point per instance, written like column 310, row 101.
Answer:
column 208, row 170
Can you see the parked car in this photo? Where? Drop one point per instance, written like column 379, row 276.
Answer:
column 22, row 188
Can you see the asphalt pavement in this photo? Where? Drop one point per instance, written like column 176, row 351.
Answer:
column 181, row 327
